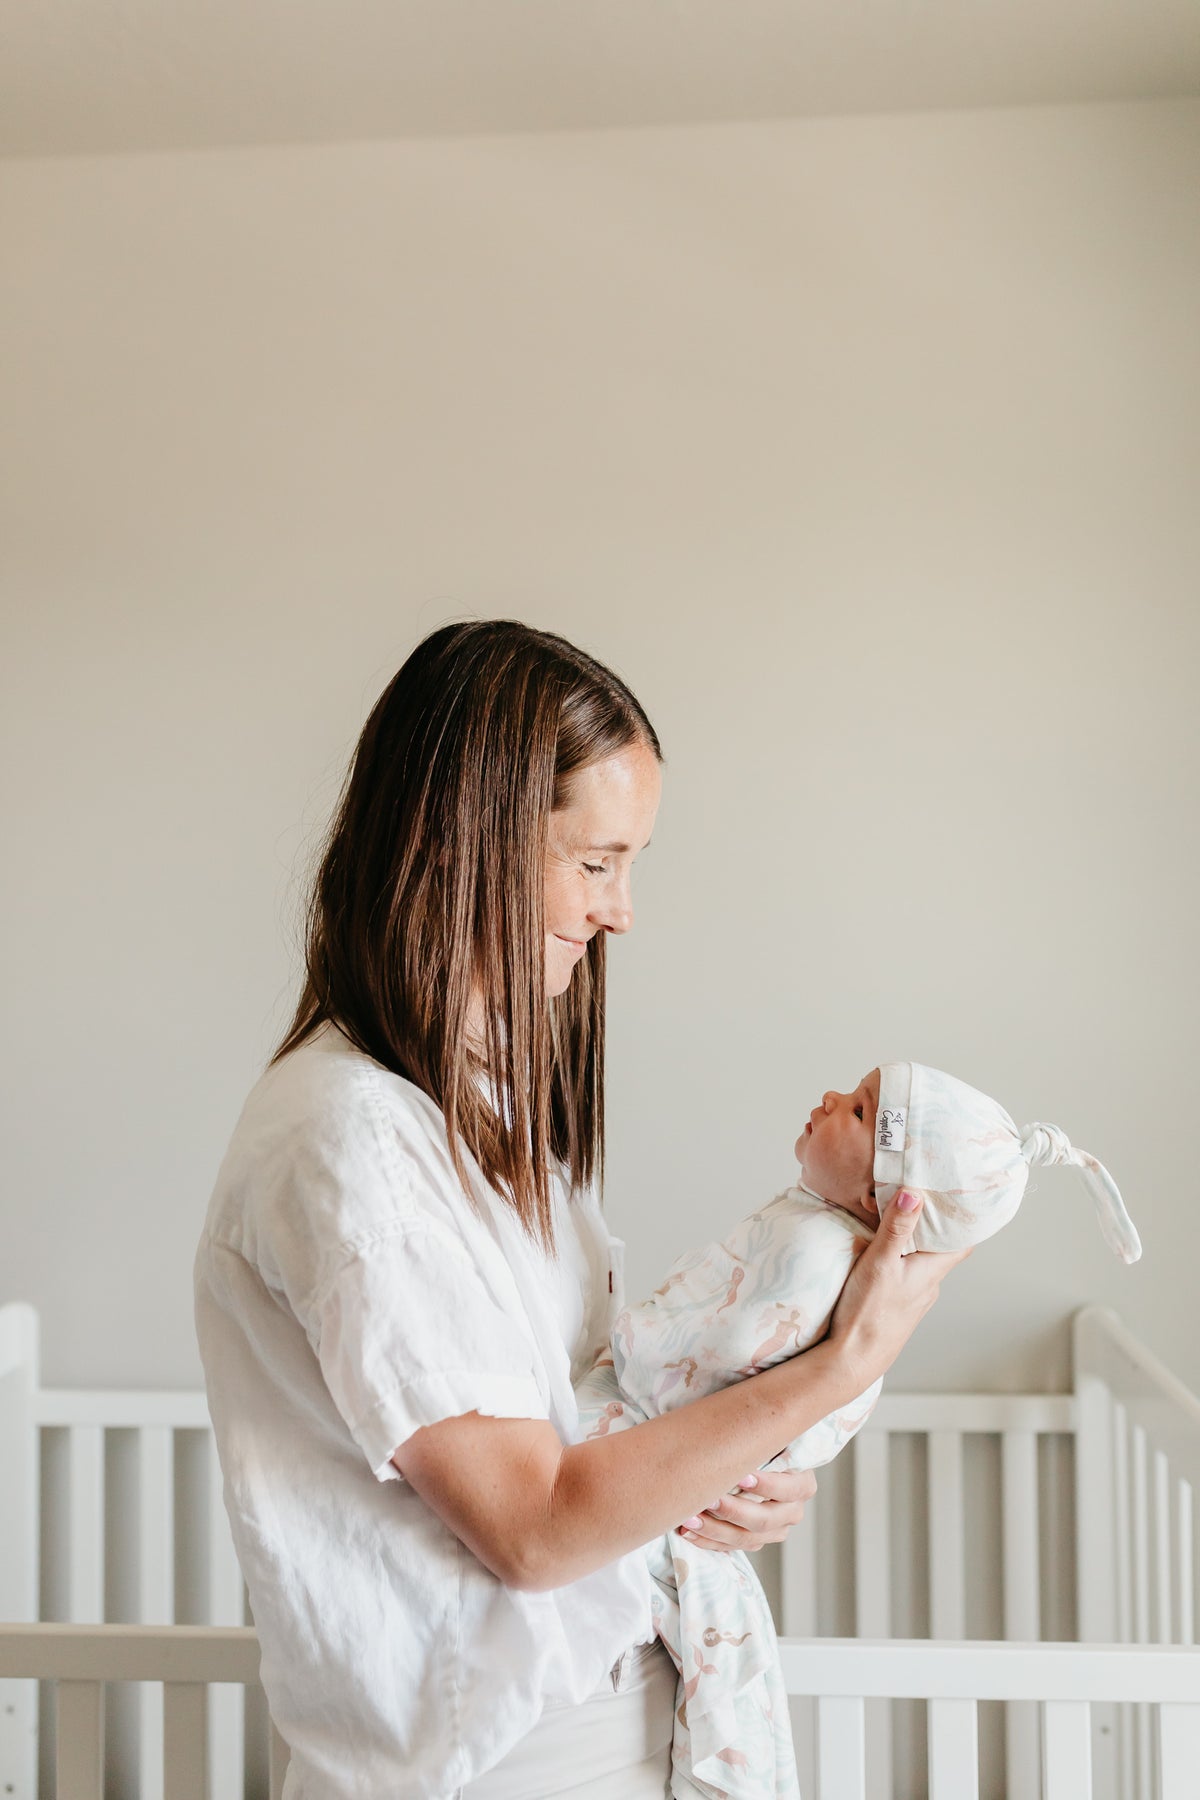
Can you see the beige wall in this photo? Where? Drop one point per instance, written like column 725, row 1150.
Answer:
column 866, row 450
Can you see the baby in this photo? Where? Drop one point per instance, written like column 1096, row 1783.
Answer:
column 764, row 1292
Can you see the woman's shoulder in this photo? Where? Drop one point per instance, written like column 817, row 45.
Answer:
column 329, row 1134
column 327, row 1084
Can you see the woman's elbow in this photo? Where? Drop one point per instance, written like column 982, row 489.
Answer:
column 525, row 1566
column 532, row 1559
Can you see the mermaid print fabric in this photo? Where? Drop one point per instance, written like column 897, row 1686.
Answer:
column 731, row 1309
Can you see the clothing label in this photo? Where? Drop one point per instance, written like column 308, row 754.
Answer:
column 889, row 1128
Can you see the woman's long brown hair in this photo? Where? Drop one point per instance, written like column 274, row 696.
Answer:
column 430, row 895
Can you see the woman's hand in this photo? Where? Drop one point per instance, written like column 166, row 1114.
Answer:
column 887, row 1294
column 761, row 1510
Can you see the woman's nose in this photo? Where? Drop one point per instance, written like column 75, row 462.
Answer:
column 618, row 917
column 615, row 911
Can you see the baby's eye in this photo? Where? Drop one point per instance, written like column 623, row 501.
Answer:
column 858, row 1112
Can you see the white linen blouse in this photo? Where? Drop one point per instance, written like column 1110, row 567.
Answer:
column 346, row 1295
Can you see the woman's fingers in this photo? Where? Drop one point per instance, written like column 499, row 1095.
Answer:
column 738, row 1522
column 888, row 1293
column 792, row 1486
column 895, row 1230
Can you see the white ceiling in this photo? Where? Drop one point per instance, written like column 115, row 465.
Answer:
column 111, row 75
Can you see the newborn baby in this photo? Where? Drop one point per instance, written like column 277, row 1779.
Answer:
column 765, row 1292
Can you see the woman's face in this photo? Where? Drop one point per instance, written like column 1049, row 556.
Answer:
column 590, row 852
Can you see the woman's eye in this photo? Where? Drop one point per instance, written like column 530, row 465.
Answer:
column 594, row 868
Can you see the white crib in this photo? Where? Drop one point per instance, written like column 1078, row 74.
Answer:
column 973, row 1515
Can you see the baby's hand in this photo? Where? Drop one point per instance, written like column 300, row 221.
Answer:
column 761, row 1510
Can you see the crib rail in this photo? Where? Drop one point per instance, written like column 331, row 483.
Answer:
column 182, row 1660
column 1104, row 1548
column 1137, row 1465
column 952, row 1516
column 947, row 1423
column 1064, row 1681
column 942, row 1432
column 111, row 1511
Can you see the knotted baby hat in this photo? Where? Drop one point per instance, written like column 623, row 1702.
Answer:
column 962, row 1152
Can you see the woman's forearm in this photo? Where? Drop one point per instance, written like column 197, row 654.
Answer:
column 611, row 1494
column 540, row 1514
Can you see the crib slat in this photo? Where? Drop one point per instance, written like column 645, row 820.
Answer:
column 1123, row 1511
column 79, row 1758
column 1178, row 1750
column 1095, row 1498
column 1140, row 1485
column 798, row 1581
column 156, row 1584
column 226, row 1606
column 1143, row 1752
column 872, row 1512
column 1066, row 1750
column 226, row 1737
column 18, row 1533
column 873, row 1579
column 841, row 1750
column 185, row 1740
column 953, row 1750
column 1141, row 1538
column 1018, row 1453
column 947, row 1560
column 156, row 1526
column 1162, row 1549
column 277, row 1762
column 1022, row 1621
column 85, row 1514
column 1184, row 1568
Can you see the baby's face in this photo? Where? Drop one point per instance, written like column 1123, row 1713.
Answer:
column 837, row 1148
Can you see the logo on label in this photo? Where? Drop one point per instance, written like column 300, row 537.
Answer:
column 889, row 1128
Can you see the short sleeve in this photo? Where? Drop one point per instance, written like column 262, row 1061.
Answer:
column 408, row 1333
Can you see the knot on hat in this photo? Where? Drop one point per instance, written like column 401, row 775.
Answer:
column 1042, row 1143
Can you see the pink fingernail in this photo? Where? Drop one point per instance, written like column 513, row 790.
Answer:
column 748, row 1481
column 690, row 1525
column 908, row 1201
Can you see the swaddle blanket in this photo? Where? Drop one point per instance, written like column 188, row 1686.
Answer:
column 763, row 1293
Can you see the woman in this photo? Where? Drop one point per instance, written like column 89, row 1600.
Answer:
column 404, row 1264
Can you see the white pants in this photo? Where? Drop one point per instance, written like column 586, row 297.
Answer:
column 616, row 1746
